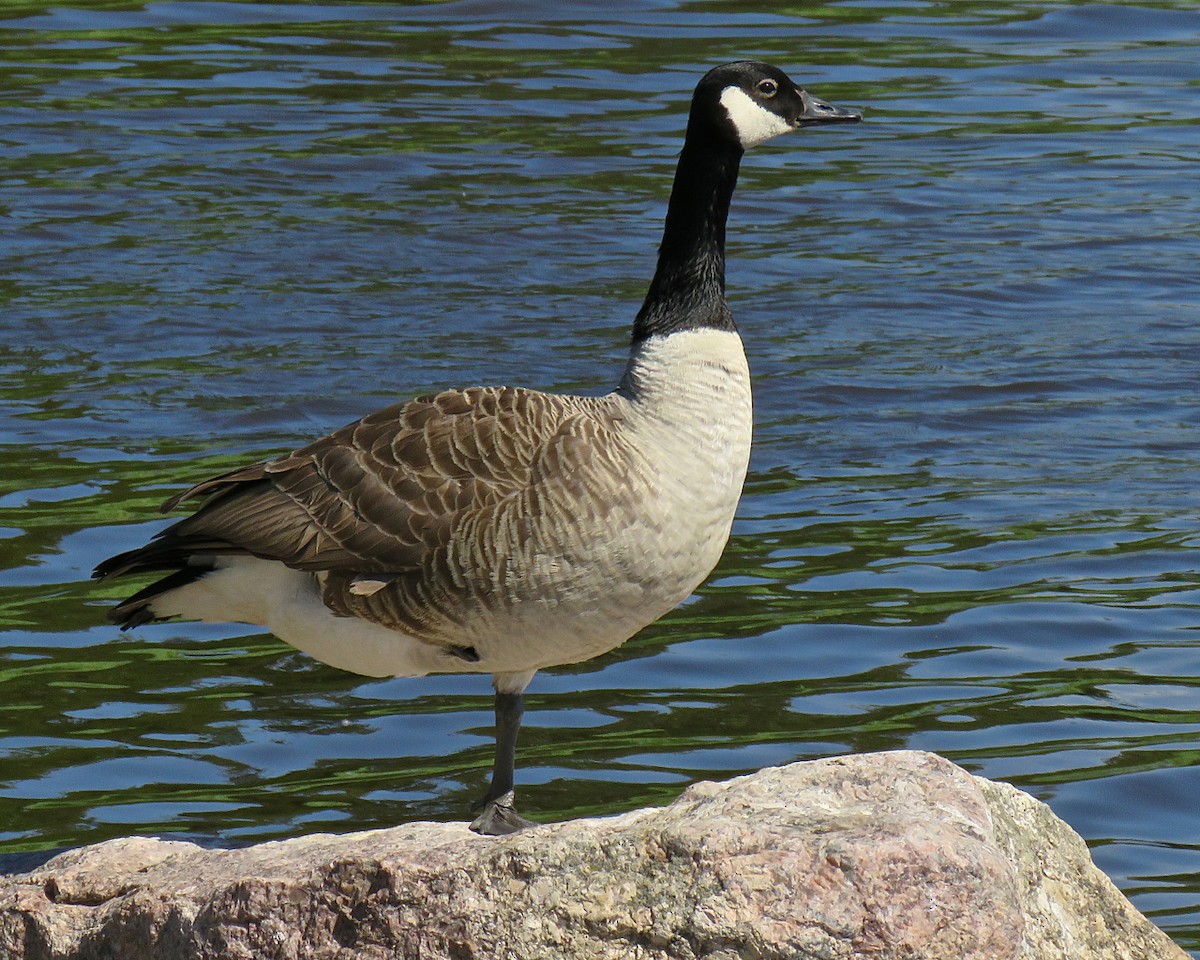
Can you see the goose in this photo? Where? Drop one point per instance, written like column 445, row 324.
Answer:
column 502, row 530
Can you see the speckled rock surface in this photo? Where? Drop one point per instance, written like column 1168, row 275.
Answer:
column 896, row 855
column 1071, row 908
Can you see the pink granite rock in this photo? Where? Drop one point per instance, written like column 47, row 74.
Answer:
column 897, row 855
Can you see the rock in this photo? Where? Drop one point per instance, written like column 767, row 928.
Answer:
column 895, row 855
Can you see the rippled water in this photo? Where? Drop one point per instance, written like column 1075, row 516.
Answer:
column 971, row 522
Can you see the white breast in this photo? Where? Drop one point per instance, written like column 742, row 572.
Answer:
column 693, row 421
column 691, row 418
column 693, row 383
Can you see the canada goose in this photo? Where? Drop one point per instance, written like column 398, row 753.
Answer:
column 497, row 529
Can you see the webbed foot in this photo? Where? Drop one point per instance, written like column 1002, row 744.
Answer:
column 498, row 817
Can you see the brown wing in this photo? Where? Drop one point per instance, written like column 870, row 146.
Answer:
column 570, row 480
column 382, row 495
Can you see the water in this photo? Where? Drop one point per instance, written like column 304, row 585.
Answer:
column 971, row 520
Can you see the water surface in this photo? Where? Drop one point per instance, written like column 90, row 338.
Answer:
column 971, row 520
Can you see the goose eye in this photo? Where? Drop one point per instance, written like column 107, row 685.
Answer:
column 768, row 88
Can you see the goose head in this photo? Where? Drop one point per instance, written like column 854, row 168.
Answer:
column 747, row 102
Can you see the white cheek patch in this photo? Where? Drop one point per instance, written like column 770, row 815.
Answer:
column 753, row 123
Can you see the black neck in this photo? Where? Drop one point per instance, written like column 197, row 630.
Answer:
column 688, row 289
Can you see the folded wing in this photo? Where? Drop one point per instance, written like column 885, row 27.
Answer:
column 381, row 496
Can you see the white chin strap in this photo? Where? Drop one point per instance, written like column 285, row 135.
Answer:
column 753, row 123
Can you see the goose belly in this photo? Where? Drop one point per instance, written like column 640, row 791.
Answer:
column 640, row 572
column 571, row 605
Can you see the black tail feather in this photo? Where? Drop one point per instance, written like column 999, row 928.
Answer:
column 182, row 552
column 183, row 559
column 137, row 609
column 165, row 552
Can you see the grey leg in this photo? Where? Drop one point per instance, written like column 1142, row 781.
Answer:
column 497, row 815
